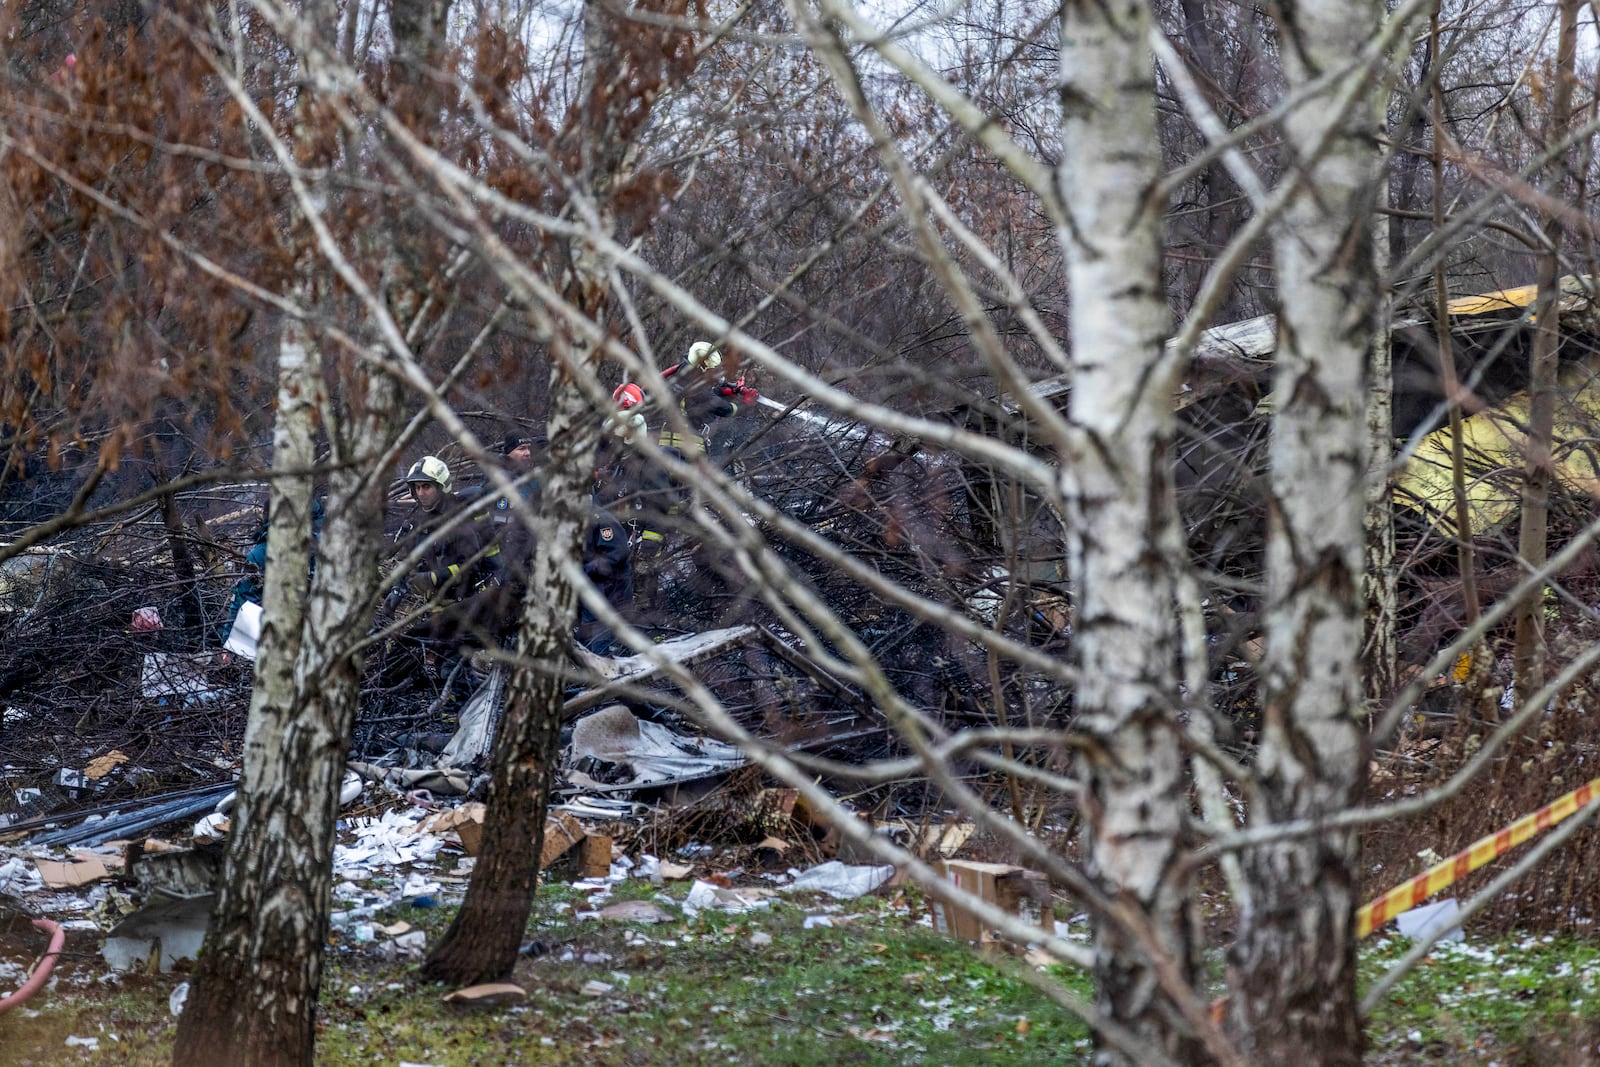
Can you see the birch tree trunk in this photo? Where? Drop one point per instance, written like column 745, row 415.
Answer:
column 253, row 998
column 1119, row 497
column 254, row 995
column 1293, row 960
column 1538, row 473
column 1381, row 580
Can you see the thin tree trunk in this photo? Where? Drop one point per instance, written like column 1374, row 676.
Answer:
column 1119, row 498
column 1381, row 580
column 1538, row 476
column 482, row 941
column 1466, row 553
column 253, row 998
column 1293, row 960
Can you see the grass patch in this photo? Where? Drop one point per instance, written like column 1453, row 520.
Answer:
column 874, row 989
column 1522, row 1000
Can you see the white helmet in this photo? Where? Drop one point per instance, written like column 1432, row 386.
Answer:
column 703, row 355
column 430, row 470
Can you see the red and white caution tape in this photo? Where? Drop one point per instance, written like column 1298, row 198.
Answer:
column 1409, row 894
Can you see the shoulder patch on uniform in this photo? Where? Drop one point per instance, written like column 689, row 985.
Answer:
column 607, row 533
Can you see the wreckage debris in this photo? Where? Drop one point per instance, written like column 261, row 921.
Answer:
column 488, row 995
column 612, row 747
column 144, row 817
column 1015, row 889
column 153, row 911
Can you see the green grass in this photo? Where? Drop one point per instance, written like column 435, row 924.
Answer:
column 1521, row 1000
column 874, row 989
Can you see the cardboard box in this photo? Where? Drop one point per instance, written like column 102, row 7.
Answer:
column 1018, row 890
column 466, row 821
column 65, row 874
column 562, row 831
column 594, row 856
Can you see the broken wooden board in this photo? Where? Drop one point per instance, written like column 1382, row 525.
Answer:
column 594, row 856
column 561, row 832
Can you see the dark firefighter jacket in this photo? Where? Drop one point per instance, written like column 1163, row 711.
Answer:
column 462, row 561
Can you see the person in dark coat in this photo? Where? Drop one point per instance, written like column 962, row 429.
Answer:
column 513, row 535
column 252, row 584
column 458, row 575
column 606, row 563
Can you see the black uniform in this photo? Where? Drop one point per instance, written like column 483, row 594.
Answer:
column 606, row 563
column 460, row 573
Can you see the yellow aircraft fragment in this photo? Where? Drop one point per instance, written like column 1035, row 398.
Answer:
column 1495, row 453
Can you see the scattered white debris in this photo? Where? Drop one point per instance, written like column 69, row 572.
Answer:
column 704, row 896
column 18, row 876
column 213, row 828
column 841, row 881
column 614, row 735
column 1421, row 921
column 385, row 842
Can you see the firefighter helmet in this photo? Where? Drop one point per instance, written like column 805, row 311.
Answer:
column 703, row 355
column 627, row 396
column 430, row 470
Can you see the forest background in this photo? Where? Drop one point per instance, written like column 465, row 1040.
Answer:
column 1122, row 324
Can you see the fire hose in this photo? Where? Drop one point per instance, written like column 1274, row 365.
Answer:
column 41, row 970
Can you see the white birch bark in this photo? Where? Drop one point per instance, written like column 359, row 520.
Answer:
column 1119, row 500
column 255, row 992
column 1294, row 956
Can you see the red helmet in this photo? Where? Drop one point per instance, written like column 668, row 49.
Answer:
column 627, row 395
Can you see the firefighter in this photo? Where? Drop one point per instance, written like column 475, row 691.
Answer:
column 458, row 574
column 605, row 551
column 656, row 500
column 704, row 396
column 627, row 480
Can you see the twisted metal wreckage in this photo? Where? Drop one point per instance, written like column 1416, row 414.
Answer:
column 119, row 717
